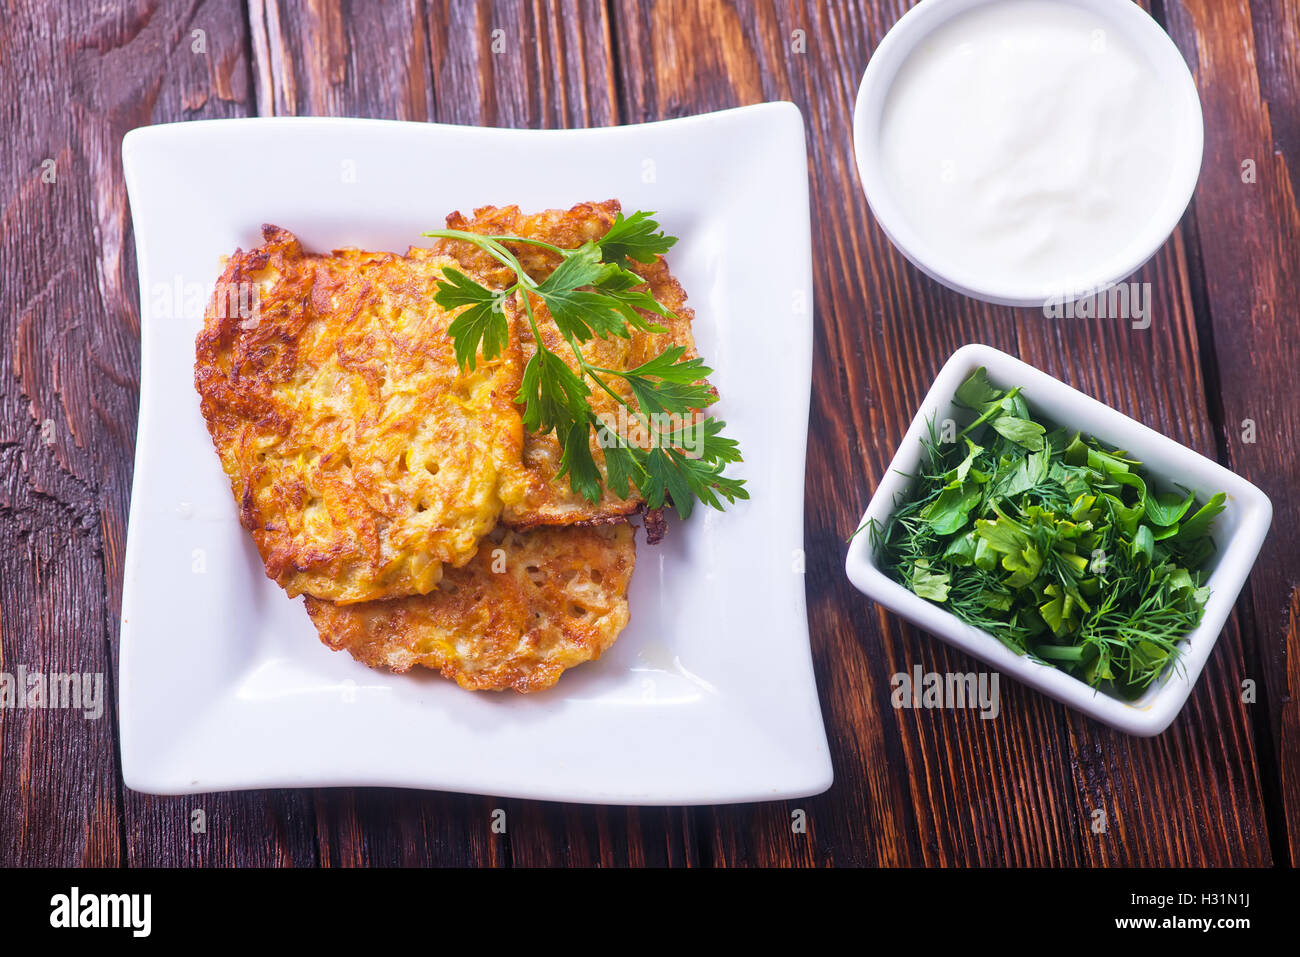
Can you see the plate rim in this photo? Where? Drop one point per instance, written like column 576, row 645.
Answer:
column 148, row 772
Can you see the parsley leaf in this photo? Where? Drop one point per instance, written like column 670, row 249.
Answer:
column 480, row 328
column 1053, row 543
column 594, row 292
column 577, row 462
column 669, row 384
column 927, row 584
column 554, row 397
column 635, row 237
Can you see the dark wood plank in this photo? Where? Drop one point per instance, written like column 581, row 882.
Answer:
column 154, row 68
column 339, row 59
column 533, row 65
column 1247, row 63
column 926, row 787
column 912, row 787
column 574, row 835
column 1289, row 734
column 522, row 64
column 550, row 68
column 75, row 80
column 368, row 827
column 233, row 829
column 325, row 58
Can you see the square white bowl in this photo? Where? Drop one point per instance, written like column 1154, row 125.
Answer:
column 1238, row 534
column 709, row 694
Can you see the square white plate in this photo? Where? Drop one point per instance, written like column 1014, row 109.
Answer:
column 1238, row 533
column 709, row 694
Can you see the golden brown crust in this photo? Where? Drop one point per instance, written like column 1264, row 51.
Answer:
column 528, row 606
column 368, row 466
column 566, row 228
column 361, row 457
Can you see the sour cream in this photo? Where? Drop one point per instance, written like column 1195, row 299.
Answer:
column 1030, row 144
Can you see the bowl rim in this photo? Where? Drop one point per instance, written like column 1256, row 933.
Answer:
column 894, row 50
column 1160, row 704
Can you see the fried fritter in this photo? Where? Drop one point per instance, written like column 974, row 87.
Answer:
column 363, row 459
column 528, row 606
column 369, row 467
column 537, row 495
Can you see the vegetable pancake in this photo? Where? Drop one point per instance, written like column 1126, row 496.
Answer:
column 372, row 464
column 525, row 608
column 363, row 459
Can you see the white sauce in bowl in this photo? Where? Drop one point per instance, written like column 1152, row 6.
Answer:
column 1029, row 143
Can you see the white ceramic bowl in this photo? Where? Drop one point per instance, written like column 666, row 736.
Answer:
column 1178, row 90
column 1238, row 532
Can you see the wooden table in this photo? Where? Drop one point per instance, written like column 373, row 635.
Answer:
column 1222, row 786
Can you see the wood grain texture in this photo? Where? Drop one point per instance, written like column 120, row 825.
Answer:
column 912, row 787
column 1289, row 732
column 167, row 62
column 1246, row 57
column 74, row 80
column 522, row 64
column 329, row 58
column 926, row 787
column 514, row 64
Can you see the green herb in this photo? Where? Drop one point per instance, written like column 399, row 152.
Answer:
column 1052, row 542
column 595, row 292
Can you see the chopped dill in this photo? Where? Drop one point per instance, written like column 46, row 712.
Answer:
column 1052, row 542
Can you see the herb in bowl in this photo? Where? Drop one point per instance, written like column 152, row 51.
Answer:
column 1053, row 543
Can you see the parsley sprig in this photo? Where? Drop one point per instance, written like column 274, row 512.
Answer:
column 595, row 292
